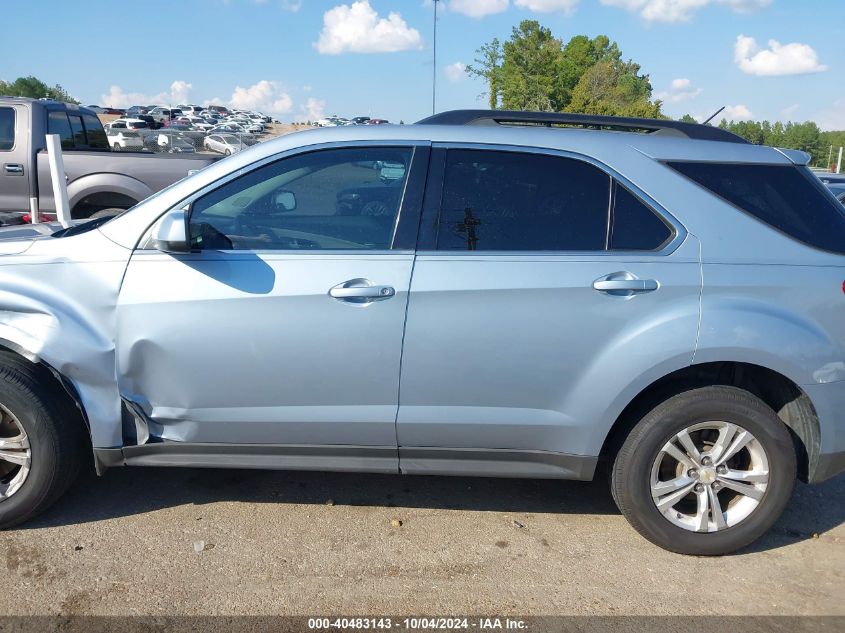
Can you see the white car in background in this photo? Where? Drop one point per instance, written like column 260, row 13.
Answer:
column 127, row 124
column 227, row 144
column 122, row 139
column 197, row 122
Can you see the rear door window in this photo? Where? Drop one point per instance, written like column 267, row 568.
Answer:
column 7, row 129
column 633, row 226
column 511, row 201
column 785, row 197
column 78, row 130
column 57, row 123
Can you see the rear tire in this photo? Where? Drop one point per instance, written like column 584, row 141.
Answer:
column 678, row 446
column 54, row 436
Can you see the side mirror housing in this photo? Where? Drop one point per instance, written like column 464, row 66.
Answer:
column 284, row 200
column 170, row 234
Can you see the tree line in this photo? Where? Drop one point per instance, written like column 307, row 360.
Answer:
column 534, row 70
column 34, row 88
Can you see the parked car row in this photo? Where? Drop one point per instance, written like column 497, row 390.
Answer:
column 186, row 129
column 338, row 121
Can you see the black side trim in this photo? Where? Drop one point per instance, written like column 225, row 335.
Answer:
column 493, row 462
column 341, row 458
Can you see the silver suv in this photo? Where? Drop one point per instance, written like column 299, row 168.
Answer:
column 518, row 295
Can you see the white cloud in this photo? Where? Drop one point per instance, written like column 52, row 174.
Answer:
column 736, row 113
column 357, row 28
column 789, row 111
column 478, row 8
column 681, row 10
column 746, row 6
column 456, row 72
column 179, row 92
column 680, row 90
column 778, row 59
column 313, row 109
column 292, row 5
column 265, row 96
column 548, row 6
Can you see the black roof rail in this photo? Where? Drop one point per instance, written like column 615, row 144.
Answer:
column 565, row 119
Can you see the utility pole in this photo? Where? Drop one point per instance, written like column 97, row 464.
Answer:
column 434, row 64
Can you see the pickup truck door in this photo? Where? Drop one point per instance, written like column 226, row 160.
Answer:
column 285, row 326
column 15, row 159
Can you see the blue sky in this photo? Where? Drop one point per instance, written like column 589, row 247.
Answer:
column 765, row 59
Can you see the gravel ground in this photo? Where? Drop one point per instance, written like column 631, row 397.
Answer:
column 180, row 542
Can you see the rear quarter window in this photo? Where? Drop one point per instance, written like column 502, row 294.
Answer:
column 785, row 197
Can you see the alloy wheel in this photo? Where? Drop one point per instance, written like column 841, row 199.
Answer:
column 709, row 477
column 15, row 454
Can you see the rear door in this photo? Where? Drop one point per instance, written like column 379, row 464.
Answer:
column 542, row 289
column 15, row 159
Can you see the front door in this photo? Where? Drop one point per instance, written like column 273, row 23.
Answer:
column 284, row 325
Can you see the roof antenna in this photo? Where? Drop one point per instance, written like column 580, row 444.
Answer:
column 713, row 116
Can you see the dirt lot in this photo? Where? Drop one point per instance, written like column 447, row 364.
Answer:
column 171, row 541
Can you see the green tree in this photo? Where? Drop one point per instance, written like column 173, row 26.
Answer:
column 534, row 70
column 687, row 118
column 614, row 88
column 488, row 67
column 34, row 88
column 529, row 69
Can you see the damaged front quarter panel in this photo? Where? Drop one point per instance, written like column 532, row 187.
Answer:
column 58, row 298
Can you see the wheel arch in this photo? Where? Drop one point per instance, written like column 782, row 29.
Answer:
column 791, row 404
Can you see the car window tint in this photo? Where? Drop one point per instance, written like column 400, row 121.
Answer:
column 77, row 129
column 508, row 201
column 57, row 123
column 7, row 129
column 342, row 199
column 635, row 227
column 94, row 131
column 787, row 198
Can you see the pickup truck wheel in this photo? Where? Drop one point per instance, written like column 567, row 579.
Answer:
column 102, row 213
column 40, row 442
column 706, row 472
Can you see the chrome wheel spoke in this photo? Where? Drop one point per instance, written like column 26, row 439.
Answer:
column 689, row 446
column 739, row 442
column 716, row 509
column 680, row 456
column 702, row 518
column 744, row 489
column 20, row 458
column 14, row 443
column 667, row 501
column 748, row 476
column 726, row 434
column 662, row 488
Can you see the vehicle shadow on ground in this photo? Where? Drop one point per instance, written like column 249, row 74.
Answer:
column 125, row 492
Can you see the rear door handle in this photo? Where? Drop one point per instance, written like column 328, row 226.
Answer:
column 633, row 285
column 361, row 291
column 624, row 284
column 13, row 169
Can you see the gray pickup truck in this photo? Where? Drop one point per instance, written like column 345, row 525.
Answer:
column 97, row 179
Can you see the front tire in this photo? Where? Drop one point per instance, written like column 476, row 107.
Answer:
column 40, row 431
column 706, row 472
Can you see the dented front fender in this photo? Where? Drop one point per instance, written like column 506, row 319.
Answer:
column 57, row 305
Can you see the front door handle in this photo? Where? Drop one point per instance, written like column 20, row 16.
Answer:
column 13, row 169
column 361, row 291
column 624, row 284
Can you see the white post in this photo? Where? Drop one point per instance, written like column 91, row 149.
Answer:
column 839, row 162
column 57, row 174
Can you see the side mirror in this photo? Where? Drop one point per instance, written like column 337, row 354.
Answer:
column 170, row 234
column 284, row 200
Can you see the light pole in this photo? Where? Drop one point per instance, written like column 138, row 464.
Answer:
column 434, row 62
